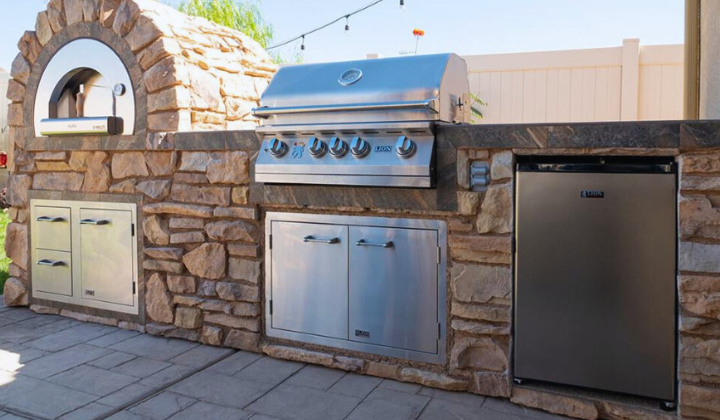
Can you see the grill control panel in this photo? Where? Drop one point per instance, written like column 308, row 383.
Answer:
column 371, row 159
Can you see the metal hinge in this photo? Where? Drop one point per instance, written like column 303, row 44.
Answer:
column 439, row 331
column 270, row 240
column 271, row 307
column 132, row 229
column 439, row 255
column 134, row 288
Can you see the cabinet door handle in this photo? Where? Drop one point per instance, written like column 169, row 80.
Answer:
column 388, row 244
column 50, row 219
column 94, row 222
column 311, row 238
column 51, row 263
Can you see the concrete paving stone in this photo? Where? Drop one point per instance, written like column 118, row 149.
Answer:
column 207, row 411
column 70, row 337
column 126, row 415
column 113, row 338
column 300, row 403
column 6, row 321
column 220, row 389
column 157, row 348
column 92, row 380
column 385, row 403
column 201, row 356
column 41, row 398
column 141, row 367
column 54, row 363
column 383, row 410
column 32, row 329
column 10, row 416
column 439, row 409
column 267, row 370
column 400, row 386
column 235, row 363
column 355, row 385
column 113, row 359
column 162, row 405
column 15, row 356
column 91, row 411
column 19, row 314
column 466, row 398
column 128, row 395
column 316, row 377
column 168, row 376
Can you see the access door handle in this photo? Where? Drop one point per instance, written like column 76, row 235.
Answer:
column 50, row 219
column 51, row 263
column 311, row 238
column 388, row 244
column 94, row 222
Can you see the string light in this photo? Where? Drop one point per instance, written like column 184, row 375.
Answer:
column 402, row 4
column 347, row 25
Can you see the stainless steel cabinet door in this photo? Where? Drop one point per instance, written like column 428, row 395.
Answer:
column 52, row 228
column 52, row 272
column 309, row 278
column 393, row 287
column 107, row 255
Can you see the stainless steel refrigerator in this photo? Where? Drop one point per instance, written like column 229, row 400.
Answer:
column 595, row 299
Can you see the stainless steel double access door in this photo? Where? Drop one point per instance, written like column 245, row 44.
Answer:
column 367, row 284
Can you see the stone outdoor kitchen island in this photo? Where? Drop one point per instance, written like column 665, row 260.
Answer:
column 199, row 228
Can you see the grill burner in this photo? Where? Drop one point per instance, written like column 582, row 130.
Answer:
column 368, row 122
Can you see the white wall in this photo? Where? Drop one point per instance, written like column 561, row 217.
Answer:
column 603, row 84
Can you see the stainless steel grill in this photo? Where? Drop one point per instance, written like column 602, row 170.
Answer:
column 369, row 122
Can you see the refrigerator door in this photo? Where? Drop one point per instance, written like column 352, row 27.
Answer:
column 595, row 281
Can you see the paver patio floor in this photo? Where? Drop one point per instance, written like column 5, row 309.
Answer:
column 53, row 367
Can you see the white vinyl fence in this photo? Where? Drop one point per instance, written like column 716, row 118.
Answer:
column 625, row 83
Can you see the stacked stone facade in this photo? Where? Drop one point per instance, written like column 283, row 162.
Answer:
column 201, row 217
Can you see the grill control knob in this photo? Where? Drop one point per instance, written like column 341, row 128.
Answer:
column 359, row 147
column 277, row 147
column 317, row 147
column 338, row 148
column 405, row 147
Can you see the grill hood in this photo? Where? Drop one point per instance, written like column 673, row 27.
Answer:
column 411, row 88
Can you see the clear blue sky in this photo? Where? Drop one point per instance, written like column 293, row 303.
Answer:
column 461, row 26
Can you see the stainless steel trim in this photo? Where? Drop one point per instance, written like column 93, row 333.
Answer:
column 81, row 126
column 321, row 219
column 425, row 126
column 321, row 240
column 94, row 222
column 50, row 219
column 266, row 111
column 364, row 180
column 51, row 263
column 362, row 242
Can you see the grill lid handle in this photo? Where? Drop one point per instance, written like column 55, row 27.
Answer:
column 266, row 111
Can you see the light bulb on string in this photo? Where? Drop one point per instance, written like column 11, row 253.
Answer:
column 302, row 46
column 347, row 25
column 402, row 4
